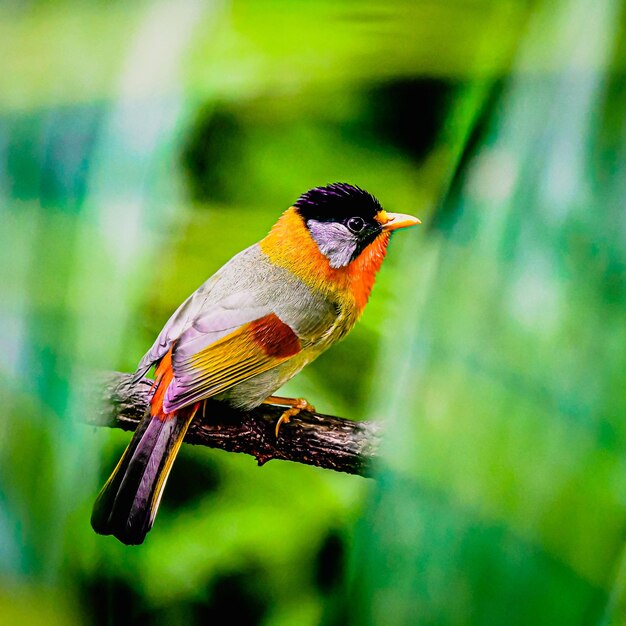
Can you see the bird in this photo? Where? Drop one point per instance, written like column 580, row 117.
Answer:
column 252, row 326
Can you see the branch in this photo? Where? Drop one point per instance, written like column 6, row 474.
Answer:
column 321, row 440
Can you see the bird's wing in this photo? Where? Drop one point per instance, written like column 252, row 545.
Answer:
column 204, row 367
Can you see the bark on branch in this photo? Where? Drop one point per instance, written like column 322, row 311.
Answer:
column 321, row 440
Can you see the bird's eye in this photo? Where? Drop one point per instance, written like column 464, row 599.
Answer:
column 356, row 224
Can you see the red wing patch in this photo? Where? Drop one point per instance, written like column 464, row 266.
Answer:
column 274, row 337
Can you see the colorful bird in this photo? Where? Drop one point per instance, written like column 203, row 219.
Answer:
column 246, row 331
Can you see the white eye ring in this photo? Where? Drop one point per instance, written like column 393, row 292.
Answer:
column 355, row 224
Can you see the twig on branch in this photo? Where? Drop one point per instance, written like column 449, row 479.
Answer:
column 321, row 440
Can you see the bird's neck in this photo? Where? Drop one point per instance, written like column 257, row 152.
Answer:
column 290, row 245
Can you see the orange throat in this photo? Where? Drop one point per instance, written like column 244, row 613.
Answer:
column 289, row 245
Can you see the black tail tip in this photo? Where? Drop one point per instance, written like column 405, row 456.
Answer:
column 103, row 522
column 126, row 536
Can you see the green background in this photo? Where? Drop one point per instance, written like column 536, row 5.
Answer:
column 142, row 144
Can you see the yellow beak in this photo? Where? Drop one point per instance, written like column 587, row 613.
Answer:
column 400, row 220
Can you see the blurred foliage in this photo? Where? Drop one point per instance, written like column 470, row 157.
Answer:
column 142, row 144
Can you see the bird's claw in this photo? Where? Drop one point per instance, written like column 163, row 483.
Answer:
column 300, row 404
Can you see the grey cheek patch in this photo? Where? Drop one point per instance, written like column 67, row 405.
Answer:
column 334, row 241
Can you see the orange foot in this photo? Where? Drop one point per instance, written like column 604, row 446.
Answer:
column 295, row 406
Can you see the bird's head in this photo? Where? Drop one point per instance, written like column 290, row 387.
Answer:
column 334, row 238
column 343, row 220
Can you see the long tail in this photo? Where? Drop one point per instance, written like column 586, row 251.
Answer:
column 128, row 503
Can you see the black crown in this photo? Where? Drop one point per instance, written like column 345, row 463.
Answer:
column 336, row 202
